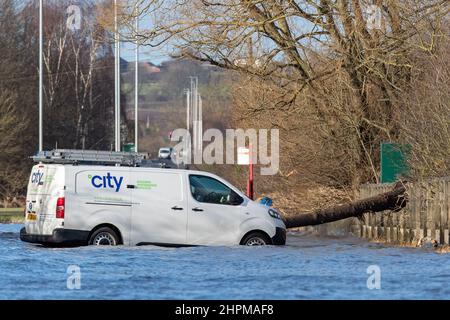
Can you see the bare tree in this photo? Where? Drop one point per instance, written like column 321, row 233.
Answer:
column 425, row 124
column 304, row 48
column 76, row 62
column 63, row 51
column 12, row 124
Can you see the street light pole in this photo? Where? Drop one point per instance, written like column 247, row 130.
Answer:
column 117, row 80
column 41, row 40
column 136, row 90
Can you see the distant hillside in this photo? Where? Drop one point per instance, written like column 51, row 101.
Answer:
column 162, row 106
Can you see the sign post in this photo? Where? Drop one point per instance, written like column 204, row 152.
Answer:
column 250, row 191
column 245, row 158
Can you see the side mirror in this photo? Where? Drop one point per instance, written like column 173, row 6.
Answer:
column 235, row 199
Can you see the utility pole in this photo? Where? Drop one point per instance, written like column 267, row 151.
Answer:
column 194, row 106
column 188, row 108
column 194, row 115
column 200, row 124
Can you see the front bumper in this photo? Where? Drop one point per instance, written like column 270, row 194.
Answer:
column 59, row 237
column 280, row 236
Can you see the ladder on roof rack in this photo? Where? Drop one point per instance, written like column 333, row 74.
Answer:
column 73, row 156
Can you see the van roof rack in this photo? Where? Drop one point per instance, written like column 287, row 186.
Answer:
column 74, row 156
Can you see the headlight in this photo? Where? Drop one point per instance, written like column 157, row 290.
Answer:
column 274, row 214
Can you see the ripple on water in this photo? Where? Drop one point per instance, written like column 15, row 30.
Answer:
column 309, row 267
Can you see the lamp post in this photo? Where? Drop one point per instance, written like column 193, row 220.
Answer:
column 41, row 41
column 116, row 81
column 136, row 90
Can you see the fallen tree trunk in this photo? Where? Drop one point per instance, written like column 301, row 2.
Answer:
column 392, row 200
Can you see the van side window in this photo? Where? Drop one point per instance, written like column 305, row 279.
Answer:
column 209, row 190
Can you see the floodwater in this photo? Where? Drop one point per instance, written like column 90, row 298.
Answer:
column 308, row 267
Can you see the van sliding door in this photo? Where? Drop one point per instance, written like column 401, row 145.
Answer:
column 159, row 211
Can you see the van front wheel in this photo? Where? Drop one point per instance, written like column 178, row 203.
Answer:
column 104, row 237
column 256, row 239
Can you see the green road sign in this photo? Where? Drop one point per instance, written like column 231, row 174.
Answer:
column 394, row 161
column 129, row 147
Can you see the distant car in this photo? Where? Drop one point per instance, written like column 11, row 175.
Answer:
column 165, row 153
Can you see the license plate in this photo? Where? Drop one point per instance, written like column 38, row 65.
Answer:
column 31, row 216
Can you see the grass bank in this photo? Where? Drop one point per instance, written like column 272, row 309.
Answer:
column 11, row 215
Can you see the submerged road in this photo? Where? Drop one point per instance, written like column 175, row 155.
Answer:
column 308, row 267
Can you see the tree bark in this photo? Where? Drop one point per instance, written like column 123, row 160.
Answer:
column 392, row 200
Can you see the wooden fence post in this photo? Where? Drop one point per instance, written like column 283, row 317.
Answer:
column 423, row 212
column 445, row 211
column 427, row 214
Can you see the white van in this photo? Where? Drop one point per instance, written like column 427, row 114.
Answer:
column 82, row 204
